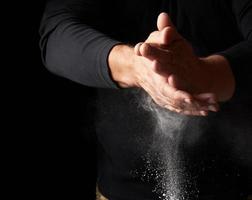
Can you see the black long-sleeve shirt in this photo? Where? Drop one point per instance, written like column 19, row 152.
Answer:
column 76, row 38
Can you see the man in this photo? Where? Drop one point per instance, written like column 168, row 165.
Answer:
column 187, row 61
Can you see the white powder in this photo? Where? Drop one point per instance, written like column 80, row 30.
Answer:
column 171, row 177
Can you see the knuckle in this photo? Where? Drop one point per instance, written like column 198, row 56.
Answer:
column 146, row 49
column 154, row 33
column 169, row 29
column 137, row 48
column 152, row 37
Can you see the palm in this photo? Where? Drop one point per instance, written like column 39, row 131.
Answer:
column 172, row 57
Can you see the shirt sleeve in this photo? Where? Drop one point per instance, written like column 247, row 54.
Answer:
column 240, row 55
column 72, row 45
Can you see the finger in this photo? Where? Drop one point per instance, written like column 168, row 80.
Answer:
column 154, row 53
column 175, row 98
column 200, row 102
column 187, row 112
column 163, row 21
column 165, row 70
column 161, row 59
column 164, row 37
column 213, row 107
column 207, row 97
column 196, row 105
column 137, row 49
column 195, row 113
column 176, row 82
column 184, row 102
column 173, row 109
column 186, row 108
column 207, row 101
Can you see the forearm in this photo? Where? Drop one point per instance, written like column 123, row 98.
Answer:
column 220, row 77
column 73, row 49
column 121, row 62
column 239, row 55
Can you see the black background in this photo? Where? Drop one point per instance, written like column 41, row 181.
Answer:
column 51, row 146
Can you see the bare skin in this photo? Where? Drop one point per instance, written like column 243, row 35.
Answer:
column 161, row 67
column 173, row 56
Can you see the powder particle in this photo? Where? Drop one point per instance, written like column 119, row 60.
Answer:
column 170, row 174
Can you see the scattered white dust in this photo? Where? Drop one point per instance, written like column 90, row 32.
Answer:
column 169, row 171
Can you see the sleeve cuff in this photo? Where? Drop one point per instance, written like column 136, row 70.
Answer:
column 103, row 66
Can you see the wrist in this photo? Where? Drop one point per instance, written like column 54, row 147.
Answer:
column 219, row 76
column 121, row 63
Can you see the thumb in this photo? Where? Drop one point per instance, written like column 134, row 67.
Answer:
column 163, row 21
